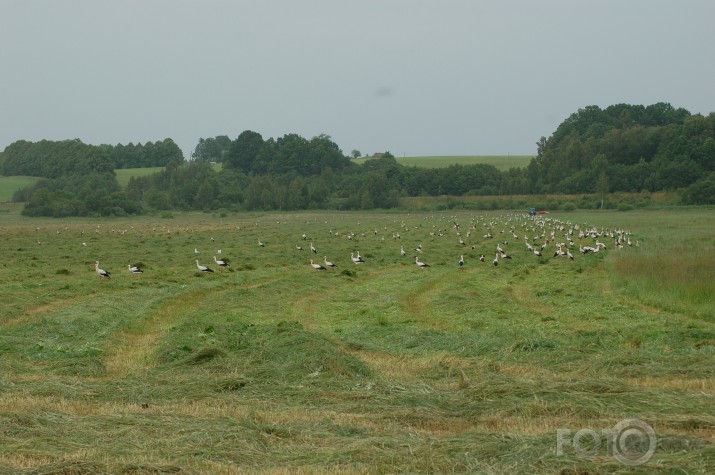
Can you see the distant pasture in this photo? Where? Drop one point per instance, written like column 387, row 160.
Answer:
column 501, row 162
column 10, row 184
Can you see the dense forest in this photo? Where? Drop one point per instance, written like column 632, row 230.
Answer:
column 623, row 148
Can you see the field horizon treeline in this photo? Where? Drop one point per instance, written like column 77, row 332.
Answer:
column 622, row 148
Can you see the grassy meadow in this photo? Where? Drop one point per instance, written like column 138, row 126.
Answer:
column 10, row 184
column 124, row 174
column 501, row 162
column 270, row 366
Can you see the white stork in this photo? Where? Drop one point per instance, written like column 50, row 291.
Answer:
column 203, row 269
column 358, row 259
column 461, row 261
column 101, row 272
column 402, row 251
column 327, row 263
column 134, row 269
column 313, row 249
column 221, row 264
column 316, row 266
column 495, row 262
column 421, row 265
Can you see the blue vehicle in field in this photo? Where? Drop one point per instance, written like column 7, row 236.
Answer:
column 532, row 212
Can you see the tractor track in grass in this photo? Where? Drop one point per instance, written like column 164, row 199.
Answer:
column 32, row 314
column 135, row 349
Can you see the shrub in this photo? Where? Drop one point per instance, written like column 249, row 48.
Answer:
column 702, row 192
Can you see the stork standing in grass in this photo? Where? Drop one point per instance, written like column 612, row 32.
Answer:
column 421, row 265
column 358, row 259
column 221, row 264
column 327, row 263
column 101, row 272
column 134, row 269
column 461, row 261
column 203, row 269
column 316, row 266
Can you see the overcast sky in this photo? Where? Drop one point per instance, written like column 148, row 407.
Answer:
column 448, row 77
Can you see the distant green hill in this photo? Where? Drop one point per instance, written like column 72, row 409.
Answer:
column 501, row 162
column 10, row 184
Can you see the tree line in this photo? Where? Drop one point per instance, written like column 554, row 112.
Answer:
column 292, row 172
column 79, row 179
column 622, row 148
column 51, row 159
column 628, row 148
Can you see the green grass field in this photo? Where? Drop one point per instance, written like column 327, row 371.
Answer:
column 10, row 184
column 273, row 367
column 124, row 174
column 501, row 162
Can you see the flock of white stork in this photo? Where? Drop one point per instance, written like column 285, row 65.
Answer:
column 563, row 231
column 537, row 234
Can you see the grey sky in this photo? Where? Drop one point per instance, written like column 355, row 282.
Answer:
column 413, row 77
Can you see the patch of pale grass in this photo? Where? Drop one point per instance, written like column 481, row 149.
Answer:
column 71, row 407
column 410, row 367
column 135, row 349
column 695, row 385
column 420, row 301
column 524, row 371
column 418, row 420
column 88, row 461
column 525, row 297
column 309, row 469
column 25, row 460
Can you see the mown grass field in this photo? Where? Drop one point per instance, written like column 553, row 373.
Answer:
column 501, row 162
column 273, row 367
